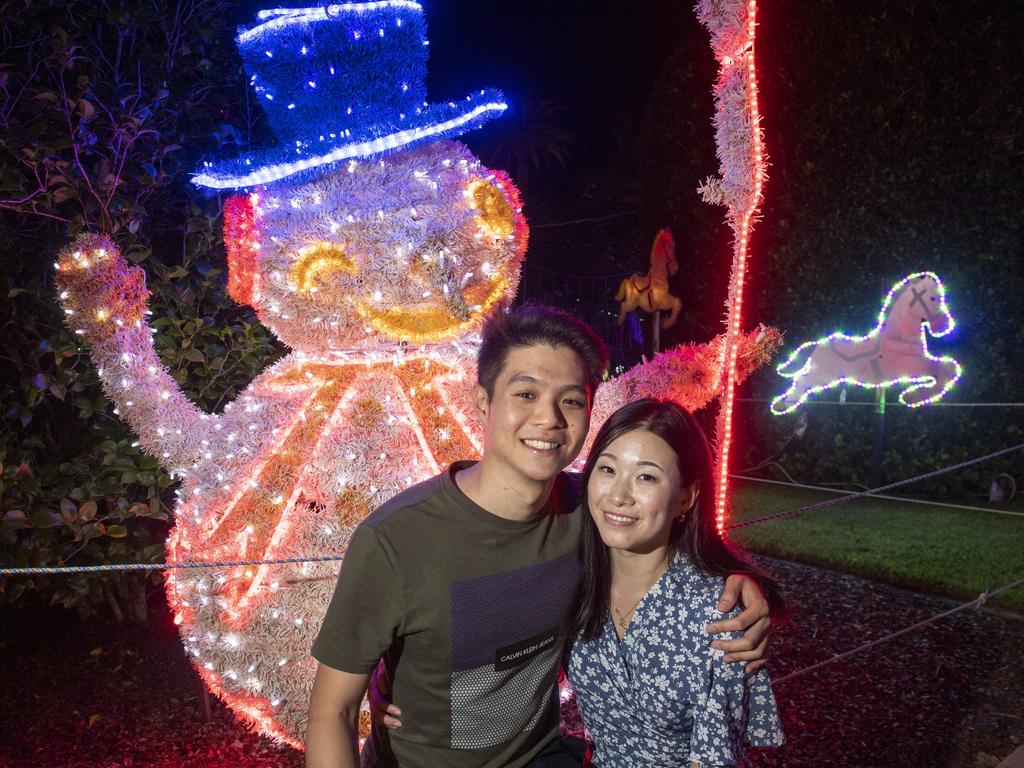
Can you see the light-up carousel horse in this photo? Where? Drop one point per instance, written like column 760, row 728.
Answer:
column 650, row 292
column 894, row 353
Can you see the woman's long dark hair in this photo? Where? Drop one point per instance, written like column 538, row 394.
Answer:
column 695, row 536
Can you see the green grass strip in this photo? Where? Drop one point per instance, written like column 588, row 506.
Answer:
column 942, row 551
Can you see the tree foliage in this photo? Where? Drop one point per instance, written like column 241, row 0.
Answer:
column 105, row 107
column 896, row 146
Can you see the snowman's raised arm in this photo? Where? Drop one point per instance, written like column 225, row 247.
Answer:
column 690, row 374
column 105, row 300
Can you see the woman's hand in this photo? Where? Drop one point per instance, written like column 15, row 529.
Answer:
column 382, row 711
column 755, row 622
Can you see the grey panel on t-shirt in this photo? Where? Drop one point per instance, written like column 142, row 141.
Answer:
column 488, row 706
column 502, row 660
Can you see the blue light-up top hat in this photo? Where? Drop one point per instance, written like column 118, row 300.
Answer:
column 340, row 82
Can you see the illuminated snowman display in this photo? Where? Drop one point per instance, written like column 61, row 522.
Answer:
column 373, row 245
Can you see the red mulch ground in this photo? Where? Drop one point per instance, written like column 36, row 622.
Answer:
column 76, row 694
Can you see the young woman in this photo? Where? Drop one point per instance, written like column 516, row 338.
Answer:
column 651, row 689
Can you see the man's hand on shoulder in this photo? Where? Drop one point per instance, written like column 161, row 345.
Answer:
column 754, row 621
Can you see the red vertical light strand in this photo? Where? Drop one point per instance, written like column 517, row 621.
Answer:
column 737, row 279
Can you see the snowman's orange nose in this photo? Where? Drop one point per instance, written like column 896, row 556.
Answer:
column 242, row 238
column 316, row 261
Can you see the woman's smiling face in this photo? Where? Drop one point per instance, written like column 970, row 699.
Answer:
column 636, row 491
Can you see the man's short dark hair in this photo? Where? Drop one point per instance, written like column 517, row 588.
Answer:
column 533, row 324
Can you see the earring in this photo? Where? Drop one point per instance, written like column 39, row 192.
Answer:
column 688, row 510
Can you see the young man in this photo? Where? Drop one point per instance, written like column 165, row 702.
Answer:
column 464, row 584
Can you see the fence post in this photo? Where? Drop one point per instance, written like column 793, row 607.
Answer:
column 879, row 446
column 205, row 712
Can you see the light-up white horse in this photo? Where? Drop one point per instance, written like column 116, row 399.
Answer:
column 894, row 352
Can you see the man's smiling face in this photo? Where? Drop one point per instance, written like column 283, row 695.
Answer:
column 537, row 419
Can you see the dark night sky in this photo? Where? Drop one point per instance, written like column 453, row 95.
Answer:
column 599, row 58
column 596, row 59
column 595, row 53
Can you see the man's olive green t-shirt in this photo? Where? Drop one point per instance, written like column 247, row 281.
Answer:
column 470, row 612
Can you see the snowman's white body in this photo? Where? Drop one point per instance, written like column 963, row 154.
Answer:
column 378, row 275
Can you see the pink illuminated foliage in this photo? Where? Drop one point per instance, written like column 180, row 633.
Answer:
column 739, row 141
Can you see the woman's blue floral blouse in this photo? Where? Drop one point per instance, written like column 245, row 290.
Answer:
column 662, row 696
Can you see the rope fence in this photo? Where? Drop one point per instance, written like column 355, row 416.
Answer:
column 874, row 491
column 115, row 567
column 873, row 404
column 901, row 499
column 122, row 567
column 976, row 602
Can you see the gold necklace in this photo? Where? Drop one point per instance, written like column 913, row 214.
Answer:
column 622, row 621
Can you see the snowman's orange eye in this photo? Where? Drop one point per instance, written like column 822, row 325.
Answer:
column 316, row 261
column 495, row 214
